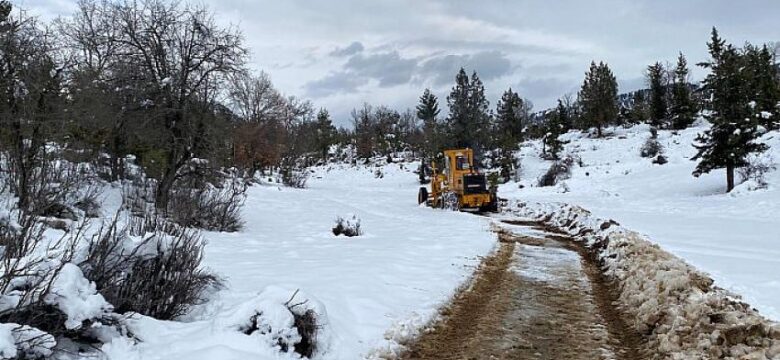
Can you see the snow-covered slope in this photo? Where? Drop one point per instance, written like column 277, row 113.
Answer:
column 734, row 237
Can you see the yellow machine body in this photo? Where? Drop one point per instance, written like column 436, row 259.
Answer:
column 458, row 184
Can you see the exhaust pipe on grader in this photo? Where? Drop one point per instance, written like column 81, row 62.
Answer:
column 459, row 185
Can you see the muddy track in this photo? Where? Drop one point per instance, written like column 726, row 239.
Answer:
column 537, row 297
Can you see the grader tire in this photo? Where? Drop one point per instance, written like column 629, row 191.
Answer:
column 422, row 195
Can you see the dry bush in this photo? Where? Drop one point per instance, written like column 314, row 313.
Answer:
column 348, row 227
column 30, row 268
column 756, row 170
column 194, row 202
column 56, row 188
column 302, row 336
column 559, row 170
column 209, row 207
column 294, row 177
column 160, row 277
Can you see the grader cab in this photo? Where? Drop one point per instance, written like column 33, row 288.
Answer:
column 459, row 185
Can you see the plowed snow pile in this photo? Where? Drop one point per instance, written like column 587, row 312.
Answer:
column 676, row 306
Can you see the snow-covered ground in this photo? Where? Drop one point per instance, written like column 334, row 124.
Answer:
column 734, row 237
column 376, row 288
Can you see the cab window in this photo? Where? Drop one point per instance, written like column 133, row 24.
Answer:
column 462, row 163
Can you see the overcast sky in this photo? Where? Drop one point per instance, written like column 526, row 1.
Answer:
column 342, row 53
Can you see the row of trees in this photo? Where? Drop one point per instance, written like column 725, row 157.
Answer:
column 740, row 97
column 158, row 80
column 470, row 122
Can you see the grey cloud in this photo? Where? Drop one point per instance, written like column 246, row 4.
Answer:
column 351, row 49
column 488, row 64
column 335, row 83
column 545, row 88
column 388, row 68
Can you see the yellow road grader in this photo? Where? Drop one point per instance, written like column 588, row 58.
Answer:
column 459, row 185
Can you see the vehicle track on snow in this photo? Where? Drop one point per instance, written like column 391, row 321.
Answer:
column 539, row 296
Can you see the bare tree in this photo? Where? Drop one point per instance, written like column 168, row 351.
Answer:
column 187, row 56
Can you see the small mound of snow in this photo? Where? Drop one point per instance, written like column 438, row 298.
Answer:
column 746, row 187
column 76, row 297
column 271, row 318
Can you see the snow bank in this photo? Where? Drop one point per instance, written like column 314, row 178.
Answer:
column 676, row 306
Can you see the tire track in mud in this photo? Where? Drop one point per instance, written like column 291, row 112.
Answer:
column 534, row 298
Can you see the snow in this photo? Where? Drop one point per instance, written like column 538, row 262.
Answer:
column 373, row 292
column 22, row 341
column 76, row 297
column 7, row 342
column 733, row 237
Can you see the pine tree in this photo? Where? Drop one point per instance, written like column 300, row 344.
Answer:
column 734, row 131
column 427, row 112
column 655, row 80
column 638, row 107
column 468, row 118
column 510, row 116
column 478, row 105
column 598, row 96
column 508, row 130
column 761, row 74
column 557, row 124
column 326, row 132
column 683, row 109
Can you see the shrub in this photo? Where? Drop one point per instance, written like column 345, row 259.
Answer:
column 159, row 277
column 651, row 148
column 294, row 177
column 660, row 160
column 349, row 227
column 209, row 207
column 559, row 170
column 756, row 170
column 43, row 295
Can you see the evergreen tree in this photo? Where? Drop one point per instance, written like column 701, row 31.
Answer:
column 638, row 107
column 734, row 131
column 655, row 80
column 468, row 118
column 683, row 109
column 761, row 74
column 557, row 124
column 598, row 97
column 428, row 111
column 510, row 111
column 326, row 132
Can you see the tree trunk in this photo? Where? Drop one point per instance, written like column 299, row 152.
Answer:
column 729, row 177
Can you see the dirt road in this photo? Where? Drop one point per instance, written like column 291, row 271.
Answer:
column 538, row 297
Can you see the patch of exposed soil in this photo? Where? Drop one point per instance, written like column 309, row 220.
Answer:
column 535, row 298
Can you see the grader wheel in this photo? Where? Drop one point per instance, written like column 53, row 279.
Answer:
column 422, row 195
